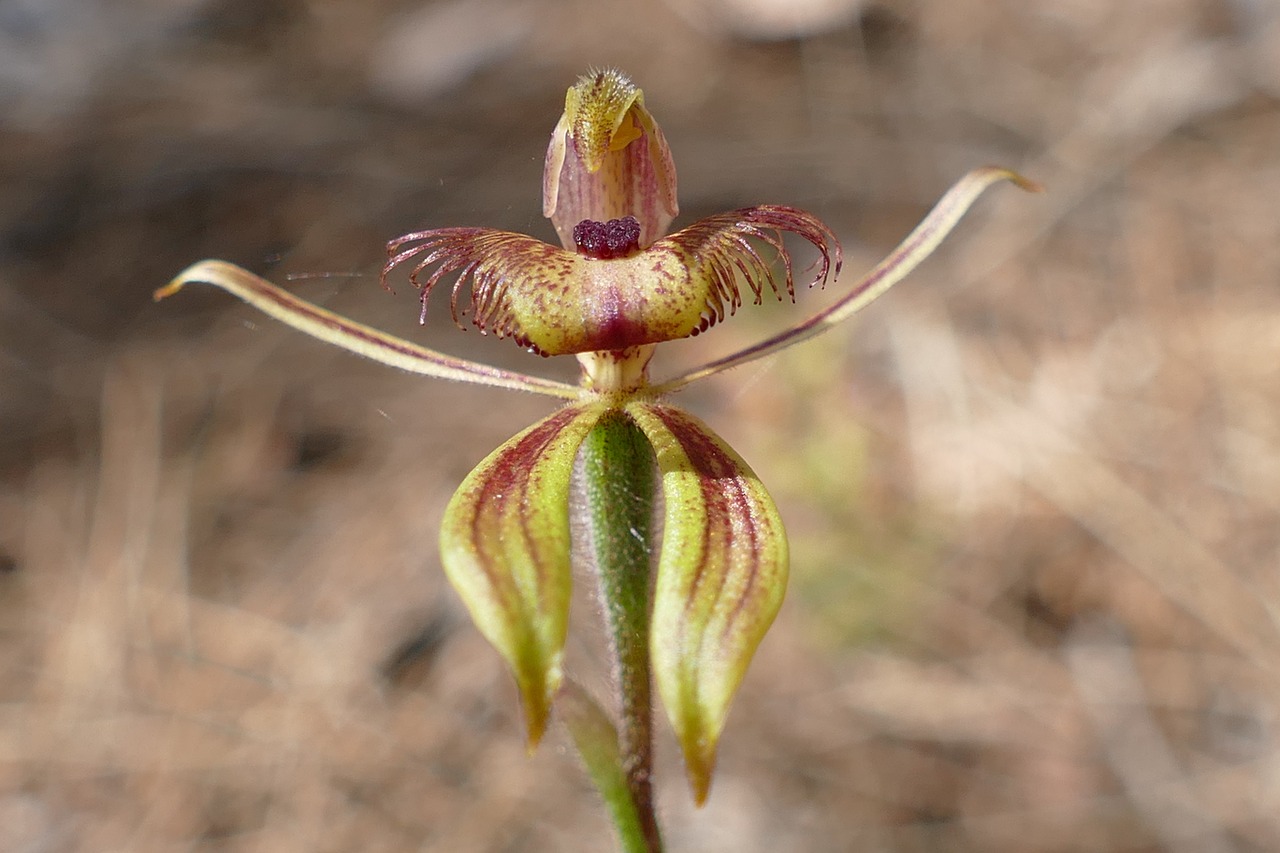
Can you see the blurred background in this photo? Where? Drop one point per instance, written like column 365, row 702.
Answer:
column 1033, row 494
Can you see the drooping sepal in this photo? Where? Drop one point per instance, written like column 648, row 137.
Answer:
column 721, row 577
column 504, row 543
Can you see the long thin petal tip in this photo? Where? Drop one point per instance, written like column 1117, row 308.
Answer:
column 1019, row 180
column 199, row 271
column 222, row 274
column 168, row 290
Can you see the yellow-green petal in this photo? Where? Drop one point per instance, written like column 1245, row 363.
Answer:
column 352, row 336
column 504, row 543
column 909, row 254
column 722, row 574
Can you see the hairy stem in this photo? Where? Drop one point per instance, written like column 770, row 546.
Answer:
column 619, row 478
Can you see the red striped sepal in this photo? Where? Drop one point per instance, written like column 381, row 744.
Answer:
column 722, row 573
column 504, row 542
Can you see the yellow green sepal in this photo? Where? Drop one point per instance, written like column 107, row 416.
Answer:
column 721, row 577
column 504, row 543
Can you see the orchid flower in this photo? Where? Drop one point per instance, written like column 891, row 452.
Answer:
column 618, row 286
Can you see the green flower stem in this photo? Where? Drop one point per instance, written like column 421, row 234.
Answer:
column 620, row 480
column 597, row 741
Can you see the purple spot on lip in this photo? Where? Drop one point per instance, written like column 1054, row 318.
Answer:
column 603, row 241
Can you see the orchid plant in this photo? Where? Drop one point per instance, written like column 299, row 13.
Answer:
column 685, row 542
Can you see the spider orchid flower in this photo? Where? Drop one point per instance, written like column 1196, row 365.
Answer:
column 619, row 285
